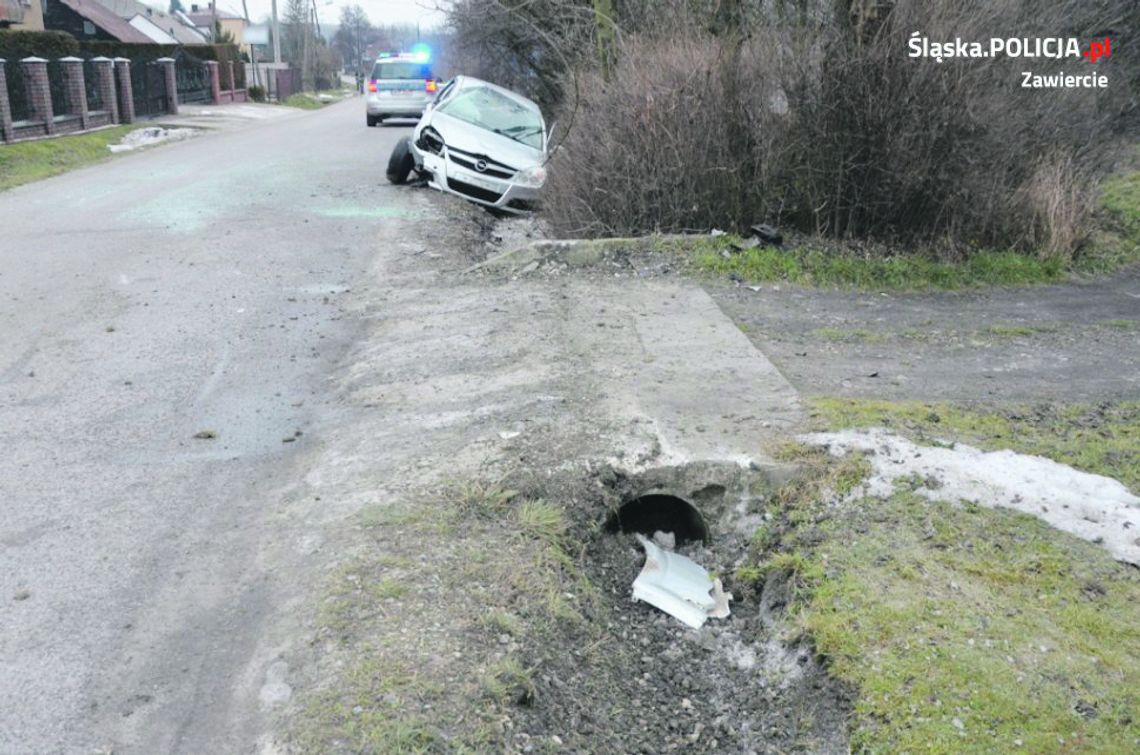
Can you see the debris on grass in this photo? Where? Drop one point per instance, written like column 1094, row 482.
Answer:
column 1093, row 507
column 767, row 234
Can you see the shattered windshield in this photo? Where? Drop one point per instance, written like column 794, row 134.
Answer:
column 494, row 111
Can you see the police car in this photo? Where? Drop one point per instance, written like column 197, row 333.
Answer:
column 400, row 86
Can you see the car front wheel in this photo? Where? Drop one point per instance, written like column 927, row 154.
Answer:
column 401, row 162
column 372, row 120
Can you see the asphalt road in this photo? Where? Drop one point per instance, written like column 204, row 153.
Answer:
column 192, row 289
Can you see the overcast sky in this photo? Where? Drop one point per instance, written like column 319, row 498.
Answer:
column 380, row 12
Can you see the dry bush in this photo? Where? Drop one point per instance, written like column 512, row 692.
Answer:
column 664, row 145
column 1058, row 201
column 821, row 121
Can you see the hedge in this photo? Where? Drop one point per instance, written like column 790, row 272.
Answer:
column 50, row 45
column 129, row 50
column 220, row 53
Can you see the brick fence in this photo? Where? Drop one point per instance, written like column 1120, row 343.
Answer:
column 112, row 81
column 230, row 93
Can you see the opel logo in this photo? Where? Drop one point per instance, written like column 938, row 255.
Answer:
column 481, row 166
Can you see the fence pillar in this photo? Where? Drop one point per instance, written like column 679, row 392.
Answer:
column 171, row 81
column 126, row 96
column 215, row 82
column 230, row 76
column 39, row 93
column 6, row 134
column 105, row 82
column 75, row 89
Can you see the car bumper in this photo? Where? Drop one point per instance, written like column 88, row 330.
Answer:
column 395, row 107
column 489, row 191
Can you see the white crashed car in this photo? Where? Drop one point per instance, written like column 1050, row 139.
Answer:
column 479, row 141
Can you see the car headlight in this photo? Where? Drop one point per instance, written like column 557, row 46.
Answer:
column 532, row 178
column 430, row 141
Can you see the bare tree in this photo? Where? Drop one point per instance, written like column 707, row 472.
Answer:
column 354, row 35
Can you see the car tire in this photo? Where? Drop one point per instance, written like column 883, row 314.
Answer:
column 372, row 120
column 401, row 162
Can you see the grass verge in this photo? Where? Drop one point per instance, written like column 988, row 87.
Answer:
column 1114, row 244
column 965, row 629
column 24, row 162
column 304, row 101
column 812, row 266
column 430, row 624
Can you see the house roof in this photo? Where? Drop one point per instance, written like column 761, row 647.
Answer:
column 204, row 16
column 171, row 24
column 152, row 30
column 108, row 21
column 11, row 11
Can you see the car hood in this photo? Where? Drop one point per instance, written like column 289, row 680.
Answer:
column 471, row 138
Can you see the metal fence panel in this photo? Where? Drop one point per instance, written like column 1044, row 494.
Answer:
column 91, row 83
column 17, row 90
column 57, row 87
column 148, row 87
column 193, row 78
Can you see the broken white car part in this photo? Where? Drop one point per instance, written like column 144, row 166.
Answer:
column 679, row 587
column 479, row 141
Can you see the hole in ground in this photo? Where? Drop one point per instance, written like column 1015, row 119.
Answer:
column 660, row 512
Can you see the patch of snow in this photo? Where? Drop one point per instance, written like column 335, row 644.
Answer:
column 146, row 137
column 1092, row 507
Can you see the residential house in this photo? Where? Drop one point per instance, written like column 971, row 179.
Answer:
column 204, row 15
column 174, row 24
column 26, row 15
column 118, row 21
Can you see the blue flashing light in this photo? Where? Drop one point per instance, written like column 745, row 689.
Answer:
column 421, row 53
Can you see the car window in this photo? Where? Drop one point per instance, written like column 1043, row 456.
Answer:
column 494, row 111
column 401, row 70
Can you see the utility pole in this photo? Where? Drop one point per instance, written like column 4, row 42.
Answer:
column 307, row 39
column 276, row 38
column 252, row 47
